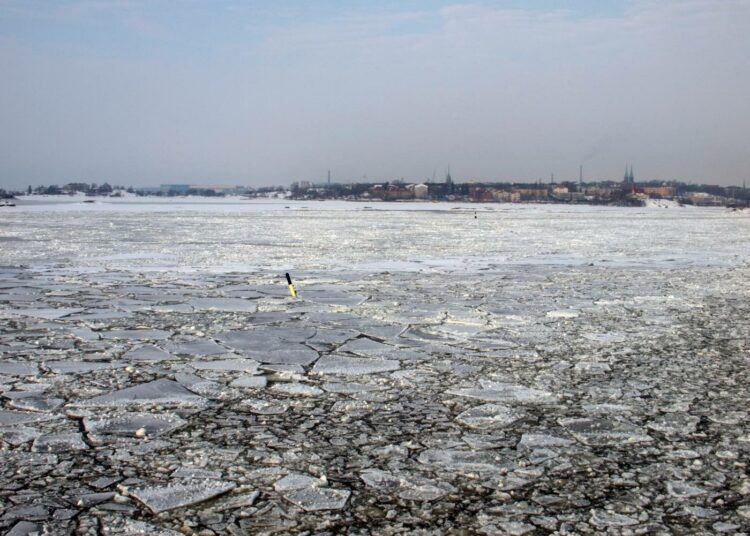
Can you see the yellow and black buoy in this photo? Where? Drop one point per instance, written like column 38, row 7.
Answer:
column 291, row 286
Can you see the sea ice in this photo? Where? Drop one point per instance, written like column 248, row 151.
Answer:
column 161, row 392
column 313, row 499
column 506, row 392
column 198, row 347
column 354, row 366
column 351, row 388
column 250, row 382
column 461, row 461
column 295, row 388
column 15, row 368
column 32, row 402
column 136, row 334
column 75, row 367
column 128, row 425
column 178, row 494
column 602, row 518
column 683, row 490
column 601, row 431
column 265, row 407
column 489, row 416
column 228, row 305
column 18, row 435
column 295, row 481
column 12, row 418
column 674, row 424
column 533, row 441
column 55, row 443
column 248, row 366
column 146, row 352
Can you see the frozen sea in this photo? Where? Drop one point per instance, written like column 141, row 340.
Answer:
column 444, row 369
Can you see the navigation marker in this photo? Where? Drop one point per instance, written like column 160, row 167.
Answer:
column 291, row 286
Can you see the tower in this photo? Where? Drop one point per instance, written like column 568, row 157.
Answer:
column 449, row 188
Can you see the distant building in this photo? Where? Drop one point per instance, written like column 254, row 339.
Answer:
column 217, row 188
column 174, row 188
column 664, row 192
column 421, row 191
column 506, row 196
column 705, row 200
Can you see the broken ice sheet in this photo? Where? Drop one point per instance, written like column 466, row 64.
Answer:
column 248, row 366
column 294, row 481
column 538, row 440
column 492, row 391
column 227, row 305
column 201, row 386
column 249, row 382
column 198, row 347
column 367, row 347
column 674, row 424
column 63, row 442
column 409, row 487
column 265, row 407
column 382, row 480
column 161, row 498
column 26, row 401
column 462, row 461
column 314, row 499
column 424, row 492
column 75, row 367
column 489, row 416
column 136, row 334
column 9, row 417
column 351, row 388
column 46, row 313
column 602, row 432
column 129, row 527
column 602, row 518
column 296, row 389
column 127, row 425
column 684, row 490
column 591, row 367
column 162, row 392
column 16, row 368
column 272, row 345
column 146, row 352
column 354, row 366
column 562, row 314
column 18, row 435
column 195, row 472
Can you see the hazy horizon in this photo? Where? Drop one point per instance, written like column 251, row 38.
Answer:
column 258, row 94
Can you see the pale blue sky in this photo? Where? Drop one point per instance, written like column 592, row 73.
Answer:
column 145, row 92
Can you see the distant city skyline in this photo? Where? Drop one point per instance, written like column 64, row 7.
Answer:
column 263, row 93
